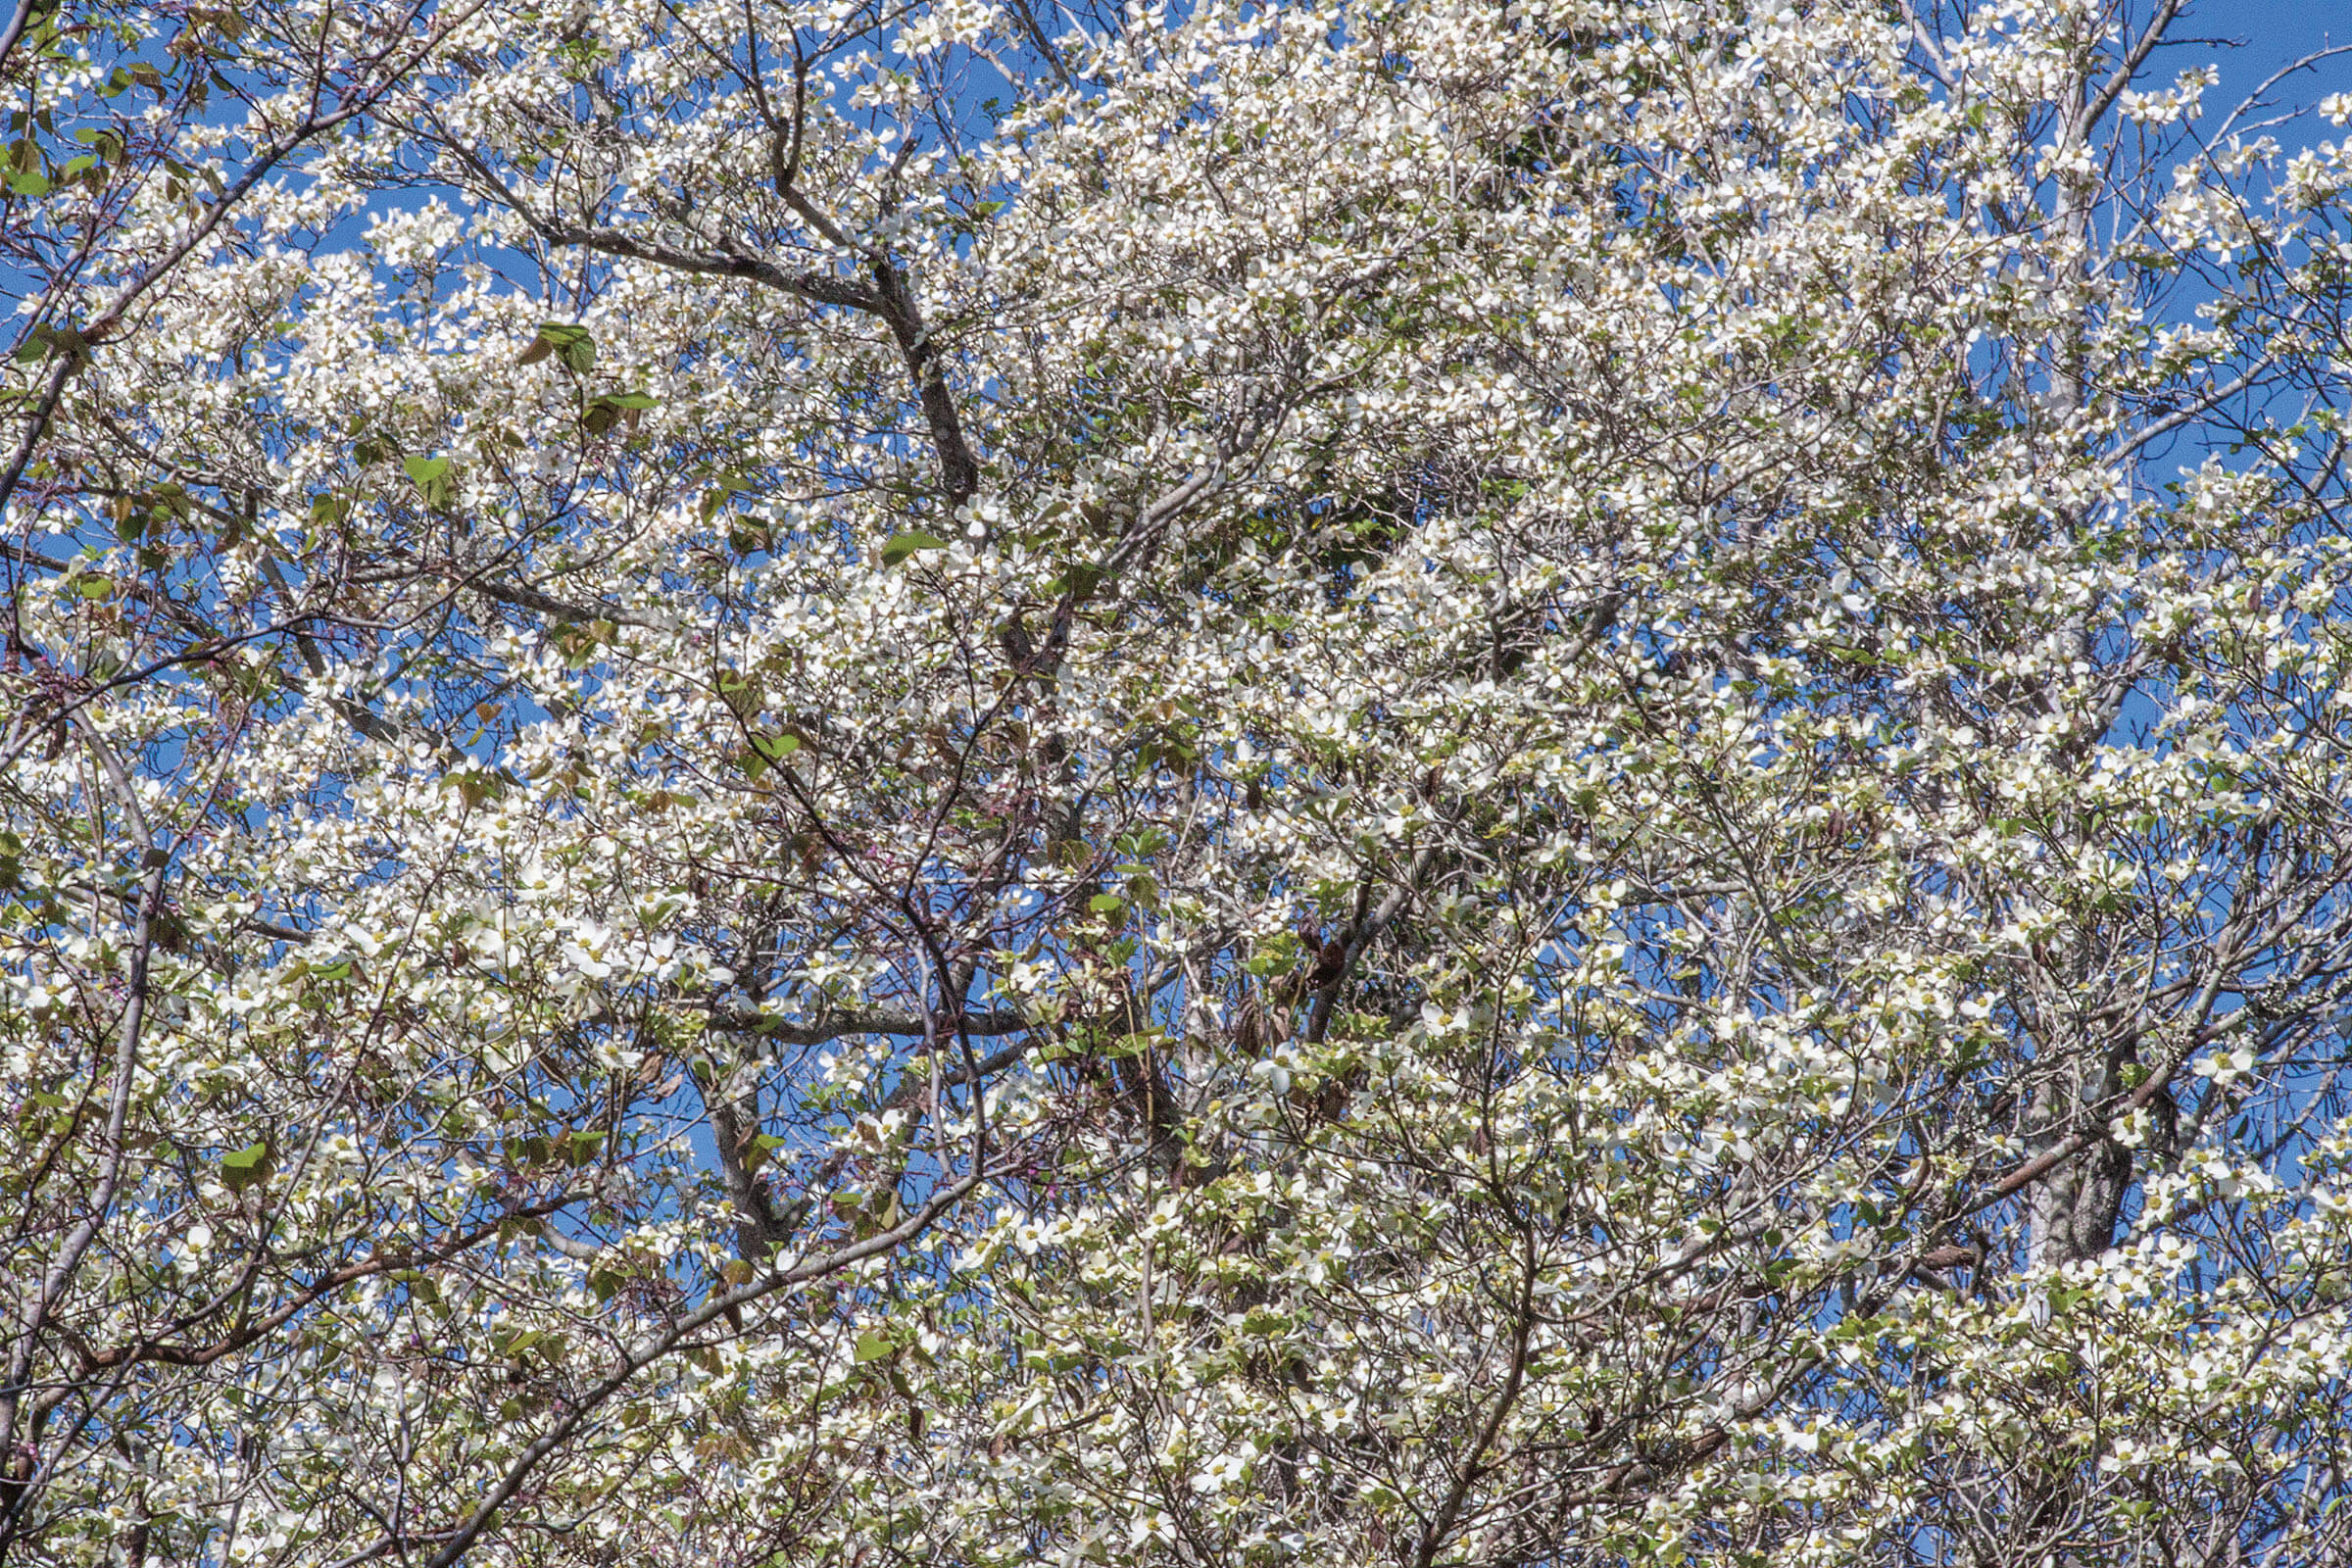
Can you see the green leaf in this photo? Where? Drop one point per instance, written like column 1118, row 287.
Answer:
column 571, row 345
column 245, row 1167
column 1080, row 578
column 765, row 751
column 873, row 1346
column 94, row 587
column 1106, row 903
column 612, row 406
column 907, row 543
column 431, row 477
column 474, row 785
column 45, row 340
column 741, row 693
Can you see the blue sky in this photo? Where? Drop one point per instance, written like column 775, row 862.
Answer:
column 2272, row 32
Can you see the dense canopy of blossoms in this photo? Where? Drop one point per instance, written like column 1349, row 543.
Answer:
column 1361, row 782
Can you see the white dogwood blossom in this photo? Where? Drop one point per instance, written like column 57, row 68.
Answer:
column 1360, row 782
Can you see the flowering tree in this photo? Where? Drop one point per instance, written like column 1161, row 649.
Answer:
column 1421, row 783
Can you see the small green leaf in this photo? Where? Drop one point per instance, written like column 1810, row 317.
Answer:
column 514, row 1342
column 1106, row 903
column 612, row 406
column 776, row 747
column 572, row 345
column 94, row 587
column 873, row 1346
column 907, row 543
column 1080, row 578
column 474, row 785
column 245, row 1167
column 431, row 477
